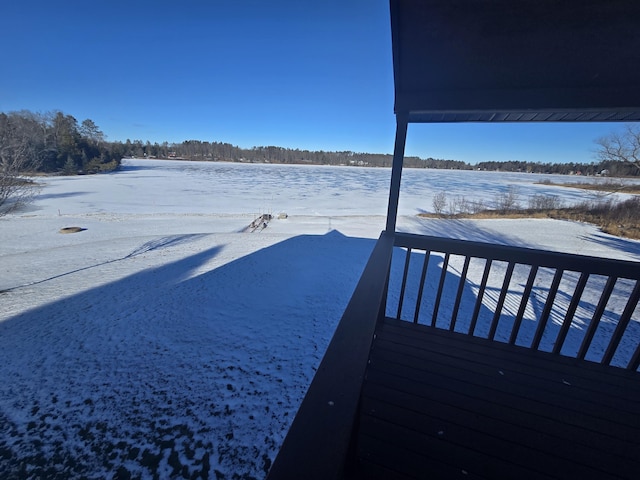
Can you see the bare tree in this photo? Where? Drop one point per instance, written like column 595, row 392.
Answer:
column 18, row 156
column 507, row 200
column 439, row 202
column 621, row 146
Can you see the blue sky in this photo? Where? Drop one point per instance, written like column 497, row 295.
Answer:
column 300, row 74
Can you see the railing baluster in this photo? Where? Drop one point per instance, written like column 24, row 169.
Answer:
column 571, row 311
column 503, row 295
column 483, row 285
column 404, row 282
column 634, row 363
column 548, row 306
column 593, row 325
column 443, row 275
column 423, row 277
column 523, row 304
column 385, row 296
column 456, row 306
column 622, row 324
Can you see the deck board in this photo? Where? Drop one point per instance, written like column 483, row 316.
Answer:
column 438, row 404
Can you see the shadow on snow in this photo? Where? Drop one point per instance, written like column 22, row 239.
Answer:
column 179, row 369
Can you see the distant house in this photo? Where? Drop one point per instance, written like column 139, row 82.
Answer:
column 358, row 163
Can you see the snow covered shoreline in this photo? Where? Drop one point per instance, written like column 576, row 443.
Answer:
column 163, row 340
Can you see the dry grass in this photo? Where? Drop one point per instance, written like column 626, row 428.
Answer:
column 621, row 219
column 606, row 186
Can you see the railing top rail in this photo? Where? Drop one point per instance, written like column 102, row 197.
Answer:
column 522, row 255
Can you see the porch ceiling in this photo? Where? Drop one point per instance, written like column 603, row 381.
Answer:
column 530, row 60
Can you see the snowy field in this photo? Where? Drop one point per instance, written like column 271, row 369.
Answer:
column 166, row 340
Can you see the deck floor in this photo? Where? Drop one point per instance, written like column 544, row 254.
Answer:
column 437, row 404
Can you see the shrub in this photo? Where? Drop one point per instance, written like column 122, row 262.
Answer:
column 544, row 202
column 627, row 211
column 439, row 202
column 477, row 206
column 507, row 200
column 459, row 206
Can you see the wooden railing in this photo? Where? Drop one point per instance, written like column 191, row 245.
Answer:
column 318, row 441
column 574, row 305
column 542, row 300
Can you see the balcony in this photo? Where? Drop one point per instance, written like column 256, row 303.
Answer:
column 490, row 377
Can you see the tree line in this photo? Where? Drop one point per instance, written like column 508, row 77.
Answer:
column 54, row 142
column 604, row 167
column 218, row 151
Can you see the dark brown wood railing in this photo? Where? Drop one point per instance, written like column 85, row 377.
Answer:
column 556, row 302
column 434, row 285
column 317, row 443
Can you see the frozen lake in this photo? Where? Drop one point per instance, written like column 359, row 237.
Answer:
column 236, row 188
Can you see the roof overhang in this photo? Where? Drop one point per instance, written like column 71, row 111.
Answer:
column 516, row 60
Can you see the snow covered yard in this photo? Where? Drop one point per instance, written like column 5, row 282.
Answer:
column 162, row 341
column 186, row 355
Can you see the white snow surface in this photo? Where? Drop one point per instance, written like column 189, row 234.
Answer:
column 164, row 340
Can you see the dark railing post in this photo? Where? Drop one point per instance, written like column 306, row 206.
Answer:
column 571, row 311
column 396, row 171
column 623, row 323
column 524, row 300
